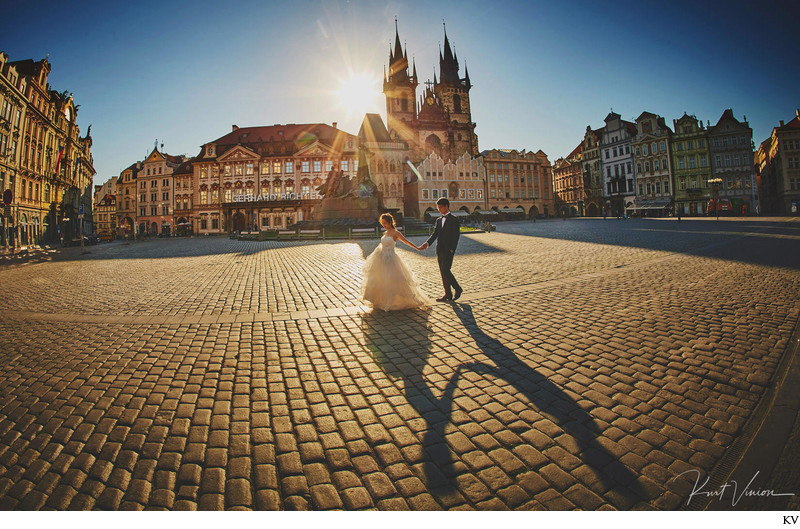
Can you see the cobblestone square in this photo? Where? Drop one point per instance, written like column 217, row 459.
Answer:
column 589, row 365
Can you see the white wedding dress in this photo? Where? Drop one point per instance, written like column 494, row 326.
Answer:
column 388, row 283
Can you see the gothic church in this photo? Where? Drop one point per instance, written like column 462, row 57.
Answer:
column 441, row 120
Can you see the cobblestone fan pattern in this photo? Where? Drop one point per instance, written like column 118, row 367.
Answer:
column 594, row 388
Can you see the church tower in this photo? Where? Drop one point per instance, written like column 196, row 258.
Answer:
column 453, row 92
column 400, row 91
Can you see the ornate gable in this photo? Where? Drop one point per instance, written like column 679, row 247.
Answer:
column 238, row 153
column 315, row 148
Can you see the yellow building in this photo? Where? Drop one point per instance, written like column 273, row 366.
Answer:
column 462, row 182
column 44, row 162
column 519, row 182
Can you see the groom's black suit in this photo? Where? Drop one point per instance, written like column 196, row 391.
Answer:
column 446, row 249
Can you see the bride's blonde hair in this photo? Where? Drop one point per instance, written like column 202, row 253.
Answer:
column 388, row 218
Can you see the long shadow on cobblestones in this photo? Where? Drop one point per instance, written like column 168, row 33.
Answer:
column 550, row 400
column 406, row 360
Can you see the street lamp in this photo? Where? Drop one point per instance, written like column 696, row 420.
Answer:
column 715, row 182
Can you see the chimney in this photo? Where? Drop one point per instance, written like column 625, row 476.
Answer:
column 334, row 124
column 234, row 128
column 781, row 122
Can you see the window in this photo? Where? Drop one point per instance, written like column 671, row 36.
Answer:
column 305, row 167
column 425, row 195
column 153, row 197
column 491, row 178
column 638, row 151
column 328, row 166
column 471, row 194
column 228, row 195
column 736, row 160
column 276, row 167
column 638, row 168
column 615, row 152
column 658, row 188
column 607, row 151
column 203, row 172
column 627, row 149
column 165, row 210
column 644, row 150
column 317, row 166
column 215, row 223
column 345, row 166
column 249, row 169
column 648, row 188
column 655, row 165
column 154, row 210
column 238, row 169
column 215, row 196
column 444, row 193
column 479, row 193
column 462, row 194
column 666, row 187
column 227, row 170
column 692, row 162
column 718, row 159
column 630, row 167
column 264, row 168
column 165, row 196
column 727, row 160
column 663, row 146
column 492, row 193
column 703, row 161
column 724, row 141
column 733, row 140
column 434, row 194
column 646, row 166
column 289, row 167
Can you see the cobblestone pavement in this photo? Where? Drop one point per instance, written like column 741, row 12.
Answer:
column 590, row 364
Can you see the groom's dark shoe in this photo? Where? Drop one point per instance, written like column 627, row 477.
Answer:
column 444, row 298
column 458, row 293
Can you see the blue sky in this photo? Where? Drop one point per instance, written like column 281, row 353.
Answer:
column 183, row 72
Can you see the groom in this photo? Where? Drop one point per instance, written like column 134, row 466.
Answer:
column 447, row 231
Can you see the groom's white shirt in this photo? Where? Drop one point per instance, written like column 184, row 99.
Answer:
column 444, row 218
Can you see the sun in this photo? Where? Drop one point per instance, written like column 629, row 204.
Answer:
column 359, row 94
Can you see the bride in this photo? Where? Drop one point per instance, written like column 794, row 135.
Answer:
column 388, row 282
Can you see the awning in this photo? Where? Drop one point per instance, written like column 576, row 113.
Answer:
column 512, row 210
column 650, row 204
column 459, row 213
column 487, row 212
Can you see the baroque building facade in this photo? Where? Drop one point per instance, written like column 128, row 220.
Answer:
column 691, row 166
column 520, row 181
column 568, row 188
column 779, row 169
column 616, row 161
column 260, row 178
column 732, row 164
column 592, row 174
column 154, row 194
column 651, row 155
column 45, row 164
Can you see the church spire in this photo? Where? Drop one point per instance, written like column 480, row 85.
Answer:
column 448, row 64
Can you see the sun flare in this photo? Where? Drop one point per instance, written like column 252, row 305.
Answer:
column 359, row 94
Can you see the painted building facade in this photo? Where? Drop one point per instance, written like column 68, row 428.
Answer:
column 262, row 178
column 519, row 180
column 779, row 169
column 651, row 155
column 616, row 162
column 732, row 163
column 462, row 182
column 691, row 166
